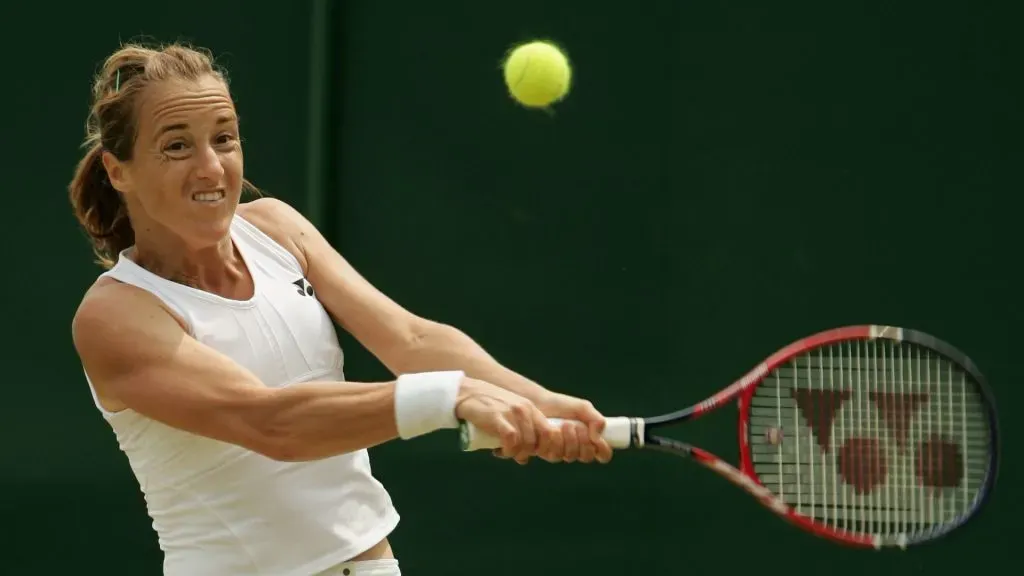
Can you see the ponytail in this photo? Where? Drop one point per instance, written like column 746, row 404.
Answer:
column 100, row 209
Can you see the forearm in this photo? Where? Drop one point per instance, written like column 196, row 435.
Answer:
column 442, row 347
column 314, row 420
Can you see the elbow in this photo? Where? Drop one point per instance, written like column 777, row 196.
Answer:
column 279, row 443
column 424, row 341
column 281, row 450
column 267, row 431
column 275, row 446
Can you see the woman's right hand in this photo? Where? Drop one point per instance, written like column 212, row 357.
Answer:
column 523, row 429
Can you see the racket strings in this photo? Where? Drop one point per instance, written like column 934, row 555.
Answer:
column 875, row 437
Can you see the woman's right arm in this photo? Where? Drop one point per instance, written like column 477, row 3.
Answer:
column 137, row 355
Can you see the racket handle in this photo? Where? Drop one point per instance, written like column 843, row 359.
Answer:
column 618, row 433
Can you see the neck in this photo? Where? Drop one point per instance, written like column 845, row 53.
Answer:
column 217, row 268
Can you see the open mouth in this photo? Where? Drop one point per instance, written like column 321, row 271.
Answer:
column 208, row 197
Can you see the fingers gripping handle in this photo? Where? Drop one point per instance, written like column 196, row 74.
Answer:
column 619, row 432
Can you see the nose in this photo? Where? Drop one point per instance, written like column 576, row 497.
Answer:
column 209, row 166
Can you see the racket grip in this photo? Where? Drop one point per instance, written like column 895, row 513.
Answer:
column 618, row 433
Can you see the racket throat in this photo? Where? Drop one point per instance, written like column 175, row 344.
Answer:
column 668, row 445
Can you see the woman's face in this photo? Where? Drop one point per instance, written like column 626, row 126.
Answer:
column 185, row 175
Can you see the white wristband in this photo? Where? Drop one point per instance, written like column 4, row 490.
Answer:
column 425, row 402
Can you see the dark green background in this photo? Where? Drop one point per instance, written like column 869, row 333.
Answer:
column 725, row 177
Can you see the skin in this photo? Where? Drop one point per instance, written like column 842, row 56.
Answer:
column 138, row 353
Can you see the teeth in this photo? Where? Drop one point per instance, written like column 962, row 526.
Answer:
column 207, row 196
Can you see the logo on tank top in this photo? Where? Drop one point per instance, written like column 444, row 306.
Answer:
column 304, row 287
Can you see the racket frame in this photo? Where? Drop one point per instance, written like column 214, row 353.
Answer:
column 742, row 390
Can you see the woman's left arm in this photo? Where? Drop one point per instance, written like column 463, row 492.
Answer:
column 404, row 342
column 407, row 343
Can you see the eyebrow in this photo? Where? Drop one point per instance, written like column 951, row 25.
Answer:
column 183, row 126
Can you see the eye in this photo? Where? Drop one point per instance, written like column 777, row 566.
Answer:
column 175, row 147
column 226, row 138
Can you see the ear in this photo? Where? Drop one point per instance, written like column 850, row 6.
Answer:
column 117, row 173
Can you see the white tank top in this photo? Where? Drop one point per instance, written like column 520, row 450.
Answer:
column 222, row 510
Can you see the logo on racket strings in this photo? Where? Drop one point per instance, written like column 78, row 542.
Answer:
column 876, row 436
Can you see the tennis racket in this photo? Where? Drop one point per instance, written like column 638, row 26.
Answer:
column 870, row 436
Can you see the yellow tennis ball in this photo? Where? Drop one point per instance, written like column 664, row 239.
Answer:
column 537, row 74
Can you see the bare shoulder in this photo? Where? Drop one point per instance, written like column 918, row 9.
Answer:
column 283, row 223
column 102, row 303
column 109, row 309
column 118, row 328
column 271, row 211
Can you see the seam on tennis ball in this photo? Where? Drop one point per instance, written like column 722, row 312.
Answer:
column 522, row 73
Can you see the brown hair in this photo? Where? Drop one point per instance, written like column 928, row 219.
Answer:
column 112, row 126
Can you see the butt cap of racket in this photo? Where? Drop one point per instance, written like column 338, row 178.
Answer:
column 618, row 433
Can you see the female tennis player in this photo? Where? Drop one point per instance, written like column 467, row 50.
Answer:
column 209, row 346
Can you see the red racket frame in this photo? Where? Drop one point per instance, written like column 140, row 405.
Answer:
column 743, row 389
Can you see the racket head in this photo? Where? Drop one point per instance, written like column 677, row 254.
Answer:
column 870, row 435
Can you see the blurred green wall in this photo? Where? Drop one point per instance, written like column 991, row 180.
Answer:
column 725, row 178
